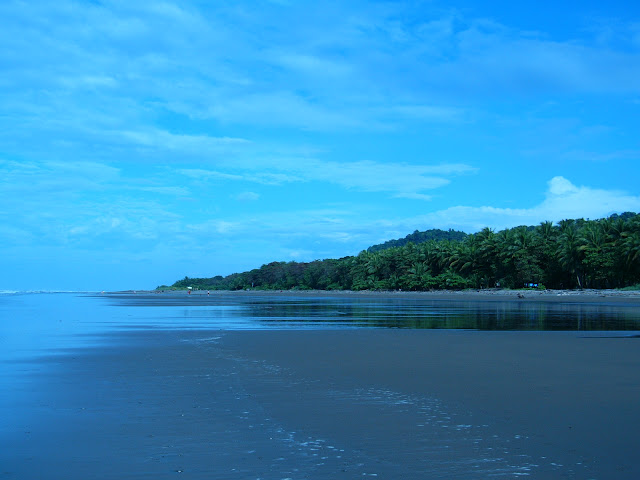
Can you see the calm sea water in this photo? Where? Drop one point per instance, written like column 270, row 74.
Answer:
column 32, row 324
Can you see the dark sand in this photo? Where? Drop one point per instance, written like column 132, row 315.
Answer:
column 569, row 297
column 332, row 404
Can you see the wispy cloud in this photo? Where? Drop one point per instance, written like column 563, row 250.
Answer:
column 25, row 182
column 562, row 200
column 69, row 202
column 96, row 52
column 245, row 175
column 285, row 108
column 201, row 144
column 403, row 179
column 221, row 227
column 247, row 196
column 313, row 65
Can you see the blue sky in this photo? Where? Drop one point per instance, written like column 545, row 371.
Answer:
column 144, row 141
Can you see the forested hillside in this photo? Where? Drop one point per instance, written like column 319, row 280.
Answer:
column 420, row 237
column 578, row 253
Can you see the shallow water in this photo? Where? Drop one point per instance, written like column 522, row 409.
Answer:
column 33, row 324
column 229, row 311
column 37, row 329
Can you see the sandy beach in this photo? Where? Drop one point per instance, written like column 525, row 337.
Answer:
column 490, row 295
column 377, row 403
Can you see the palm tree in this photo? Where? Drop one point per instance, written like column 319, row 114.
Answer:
column 466, row 258
column 545, row 230
column 418, row 276
column 570, row 252
column 618, row 230
column 436, row 255
column 546, row 245
column 566, row 224
column 631, row 247
column 598, row 258
column 489, row 250
column 504, row 259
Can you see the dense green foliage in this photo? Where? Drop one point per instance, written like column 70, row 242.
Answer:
column 420, row 237
column 579, row 253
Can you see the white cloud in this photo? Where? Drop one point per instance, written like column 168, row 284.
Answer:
column 414, row 196
column 247, row 197
column 313, row 64
column 170, row 190
column 285, row 108
column 378, row 177
column 565, row 200
column 401, row 179
column 562, row 200
column 202, row 174
column 25, row 182
column 89, row 81
column 265, row 178
column 102, row 226
column 559, row 186
column 202, row 144
column 221, row 227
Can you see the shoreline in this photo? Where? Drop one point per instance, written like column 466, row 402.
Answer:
column 616, row 296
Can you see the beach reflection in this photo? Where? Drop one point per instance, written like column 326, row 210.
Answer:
column 344, row 311
column 35, row 324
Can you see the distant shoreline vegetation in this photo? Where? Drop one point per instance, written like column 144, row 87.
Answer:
column 579, row 253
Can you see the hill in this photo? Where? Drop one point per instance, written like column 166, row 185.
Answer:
column 420, row 237
column 577, row 253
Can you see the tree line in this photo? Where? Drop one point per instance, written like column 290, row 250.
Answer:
column 578, row 253
column 420, row 237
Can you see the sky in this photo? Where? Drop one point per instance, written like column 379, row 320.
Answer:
column 141, row 142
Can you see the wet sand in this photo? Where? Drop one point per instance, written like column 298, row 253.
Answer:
column 573, row 297
column 331, row 404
